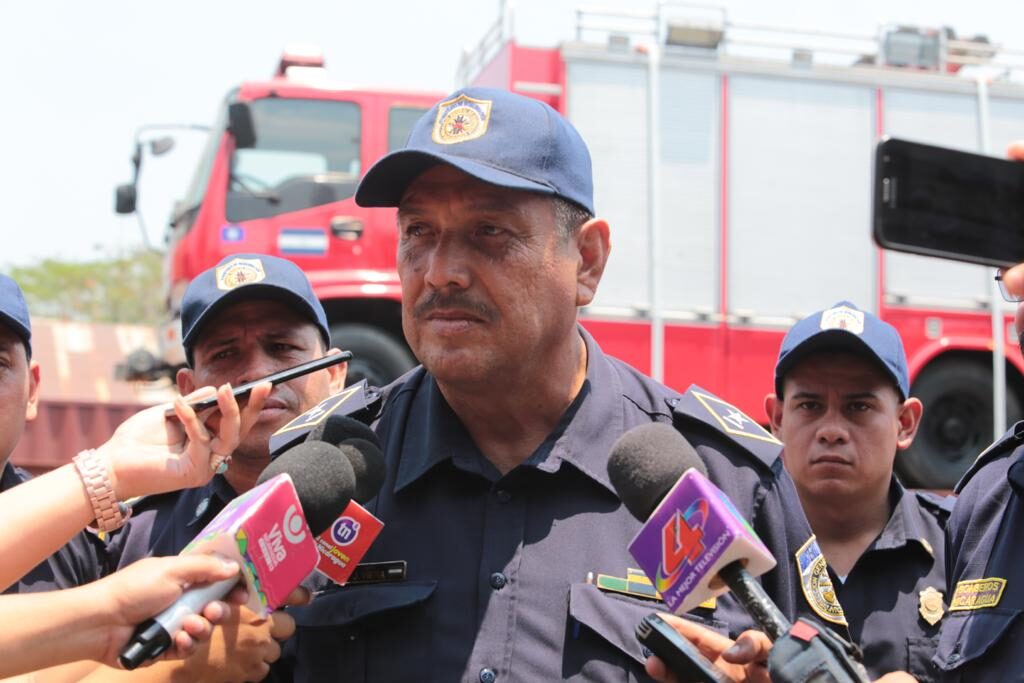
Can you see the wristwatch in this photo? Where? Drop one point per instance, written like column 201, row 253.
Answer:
column 109, row 513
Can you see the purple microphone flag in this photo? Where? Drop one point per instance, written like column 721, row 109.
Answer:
column 690, row 536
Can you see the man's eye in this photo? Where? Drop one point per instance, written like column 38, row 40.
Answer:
column 415, row 230
column 490, row 230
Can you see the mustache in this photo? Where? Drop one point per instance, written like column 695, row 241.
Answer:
column 458, row 301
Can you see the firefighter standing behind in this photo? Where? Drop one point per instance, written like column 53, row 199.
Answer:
column 842, row 409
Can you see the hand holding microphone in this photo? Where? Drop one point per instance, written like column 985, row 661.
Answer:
column 269, row 531
column 694, row 545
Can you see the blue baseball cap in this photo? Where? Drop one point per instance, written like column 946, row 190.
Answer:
column 14, row 311
column 844, row 327
column 247, row 276
column 496, row 136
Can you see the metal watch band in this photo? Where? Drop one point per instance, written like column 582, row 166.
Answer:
column 93, row 471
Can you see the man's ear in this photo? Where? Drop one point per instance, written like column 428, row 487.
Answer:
column 773, row 409
column 337, row 372
column 186, row 381
column 32, row 407
column 909, row 420
column 594, row 244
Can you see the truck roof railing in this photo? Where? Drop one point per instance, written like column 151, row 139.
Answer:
column 706, row 31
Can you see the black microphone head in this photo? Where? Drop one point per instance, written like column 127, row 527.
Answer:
column 646, row 462
column 367, row 462
column 323, row 477
column 337, row 428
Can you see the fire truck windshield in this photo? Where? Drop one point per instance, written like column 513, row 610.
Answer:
column 307, row 153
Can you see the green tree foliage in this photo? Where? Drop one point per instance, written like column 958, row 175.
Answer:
column 125, row 288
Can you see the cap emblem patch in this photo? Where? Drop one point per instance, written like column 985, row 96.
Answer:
column 460, row 120
column 843, row 318
column 238, row 272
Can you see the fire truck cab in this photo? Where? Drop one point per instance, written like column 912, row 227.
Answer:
column 277, row 176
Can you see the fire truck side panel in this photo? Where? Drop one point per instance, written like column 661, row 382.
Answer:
column 606, row 104
column 799, row 197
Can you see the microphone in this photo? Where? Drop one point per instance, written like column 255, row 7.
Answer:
column 270, row 531
column 343, row 545
column 360, row 445
column 693, row 545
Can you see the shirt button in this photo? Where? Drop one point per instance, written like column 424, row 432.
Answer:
column 503, row 496
column 488, row 676
column 498, row 581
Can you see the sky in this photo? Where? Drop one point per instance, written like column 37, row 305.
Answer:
column 81, row 78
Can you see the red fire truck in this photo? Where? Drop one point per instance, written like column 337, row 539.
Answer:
column 747, row 175
column 277, row 176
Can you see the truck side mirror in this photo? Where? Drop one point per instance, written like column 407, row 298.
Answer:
column 125, row 198
column 240, row 125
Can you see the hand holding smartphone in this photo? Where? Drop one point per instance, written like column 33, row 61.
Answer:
column 943, row 202
column 276, row 378
column 680, row 655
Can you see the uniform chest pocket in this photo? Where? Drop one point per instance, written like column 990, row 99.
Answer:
column 598, row 620
column 920, row 651
column 331, row 632
column 967, row 636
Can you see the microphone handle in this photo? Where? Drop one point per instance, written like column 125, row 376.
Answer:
column 153, row 636
column 752, row 596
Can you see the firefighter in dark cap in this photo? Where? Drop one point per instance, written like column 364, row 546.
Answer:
column 505, row 541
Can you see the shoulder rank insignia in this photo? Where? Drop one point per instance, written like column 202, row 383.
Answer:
column 460, row 120
column 725, row 418
column 930, row 607
column 816, row 583
column 977, row 594
column 349, row 401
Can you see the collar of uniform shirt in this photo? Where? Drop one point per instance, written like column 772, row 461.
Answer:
column 10, row 477
column 585, row 441
column 201, row 497
column 904, row 525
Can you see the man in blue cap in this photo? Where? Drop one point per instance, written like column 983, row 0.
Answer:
column 842, row 409
column 505, row 541
column 82, row 559
column 247, row 317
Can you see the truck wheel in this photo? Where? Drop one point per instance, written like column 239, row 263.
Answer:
column 377, row 356
column 957, row 423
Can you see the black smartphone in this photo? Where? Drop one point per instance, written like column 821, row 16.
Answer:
column 276, row 378
column 942, row 202
column 680, row 655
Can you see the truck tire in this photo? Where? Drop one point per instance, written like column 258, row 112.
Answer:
column 377, row 356
column 957, row 422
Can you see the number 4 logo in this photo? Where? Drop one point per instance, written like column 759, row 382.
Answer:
column 679, row 542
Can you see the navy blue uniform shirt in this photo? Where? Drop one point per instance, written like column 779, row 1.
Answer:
column 895, row 591
column 79, row 561
column 982, row 635
column 497, row 566
column 165, row 523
